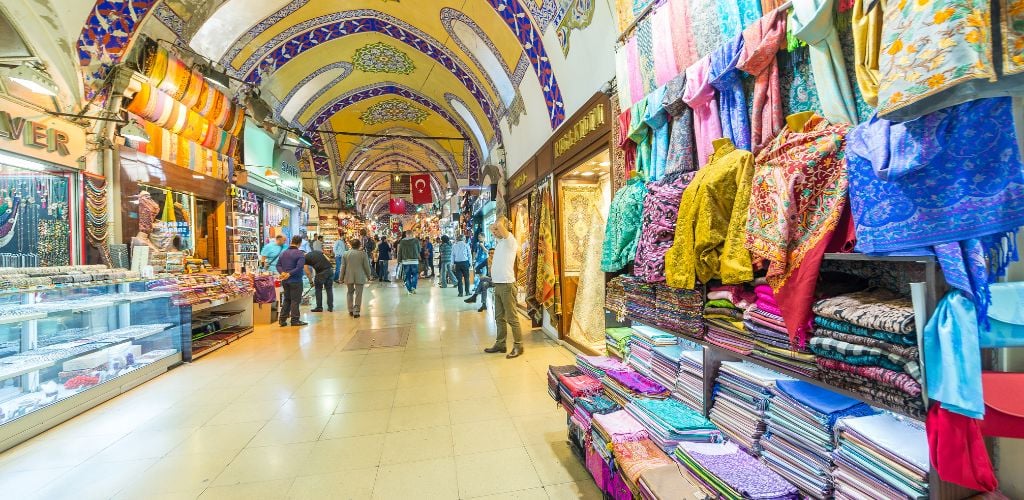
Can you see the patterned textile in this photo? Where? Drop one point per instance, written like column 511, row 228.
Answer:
column 645, row 51
column 856, row 354
column 680, row 311
column 851, row 329
column 532, row 302
column 579, row 202
column 641, row 302
column 952, row 179
column 521, row 232
column 657, row 120
column 897, row 380
column 683, row 42
column 797, row 201
column 812, row 22
column 707, row 26
column 622, row 232
column 736, row 15
column 618, row 154
column 636, row 384
column 846, row 36
column 905, row 403
column 700, row 96
column 761, row 41
column 873, row 309
column 899, row 350
column 640, row 134
column 956, row 37
column 619, row 427
column 665, row 67
column 681, row 155
column 657, row 228
column 712, row 214
column 726, row 470
column 626, row 145
column 867, row 43
column 636, row 83
column 622, row 79
column 797, row 82
column 548, row 293
column 636, row 457
column 732, row 103
column 615, row 297
column 587, row 326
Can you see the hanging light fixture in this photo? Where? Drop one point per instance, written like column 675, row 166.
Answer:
column 133, row 132
column 34, row 79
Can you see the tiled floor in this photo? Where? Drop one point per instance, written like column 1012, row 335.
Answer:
column 286, row 413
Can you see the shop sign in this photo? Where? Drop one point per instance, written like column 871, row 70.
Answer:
column 47, row 138
column 594, row 120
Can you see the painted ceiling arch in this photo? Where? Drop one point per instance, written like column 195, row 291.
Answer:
column 428, row 151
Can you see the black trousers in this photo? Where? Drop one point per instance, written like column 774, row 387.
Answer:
column 292, row 297
column 322, row 281
column 382, row 270
column 462, row 277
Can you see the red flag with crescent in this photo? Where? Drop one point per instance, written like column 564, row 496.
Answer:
column 421, row 194
column 396, row 206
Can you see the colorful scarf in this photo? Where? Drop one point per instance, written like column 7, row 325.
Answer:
column 796, row 203
column 640, row 134
column 657, row 120
column 657, row 227
column 700, row 96
column 547, row 259
column 636, row 83
column 812, row 22
column 867, row 43
column 626, row 144
column 622, row 81
column 732, row 103
column 681, row 152
column 531, row 267
column 683, row 46
column 665, row 67
column 761, row 41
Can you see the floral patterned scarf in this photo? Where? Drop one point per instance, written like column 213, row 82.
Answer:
column 761, row 41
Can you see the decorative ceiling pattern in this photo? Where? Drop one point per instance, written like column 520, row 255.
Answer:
column 382, row 58
column 393, row 110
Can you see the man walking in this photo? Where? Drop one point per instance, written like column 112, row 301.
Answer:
column 355, row 273
column 503, row 276
column 383, row 257
column 409, row 256
column 460, row 260
column 339, row 251
column 318, row 262
column 290, row 264
column 444, row 260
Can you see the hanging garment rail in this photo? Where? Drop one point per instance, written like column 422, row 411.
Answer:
column 650, row 8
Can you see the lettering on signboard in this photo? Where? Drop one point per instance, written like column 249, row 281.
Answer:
column 593, row 120
column 33, row 134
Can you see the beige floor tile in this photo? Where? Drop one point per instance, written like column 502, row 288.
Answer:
column 346, row 485
column 265, row 464
column 333, row 455
column 485, row 435
column 428, row 480
column 23, row 484
column 365, row 401
column 177, row 495
column 416, row 379
column 290, row 431
column 416, row 445
column 494, row 472
column 519, row 405
column 248, row 411
column 556, row 464
column 179, row 474
column 143, row 444
column 218, row 438
column 183, row 417
column 94, row 480
column 423, row 394
column 356, row 424
column 263, row 490
column 419, row 417
column 54, row 454
column 580, row 490
column 527, row 494
column 542, row 428
column 474, row 410
column 308, row 407
column 474, row 388
column 517, row 384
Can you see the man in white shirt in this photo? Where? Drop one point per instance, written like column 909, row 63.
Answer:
column 340, row 247
column 503, row 274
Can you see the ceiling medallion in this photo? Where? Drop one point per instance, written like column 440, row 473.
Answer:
column 393, row 110
column 382, row 58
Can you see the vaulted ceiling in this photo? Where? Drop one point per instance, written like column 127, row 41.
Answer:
column 444, row 74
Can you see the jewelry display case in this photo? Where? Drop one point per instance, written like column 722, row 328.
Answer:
column 82, row 338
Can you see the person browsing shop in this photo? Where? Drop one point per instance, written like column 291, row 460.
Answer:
column 317, row 262
column 340, row 247
column 271, row 251
column 290, row 265
column 409, row 257
column 503, row 276
column 355, row 272
column 480, row 254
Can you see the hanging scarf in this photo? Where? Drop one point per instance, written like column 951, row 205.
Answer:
column 640, row 134
column 951, row 182
column 732, row 103
column 626, row 144
column 657, row 226
column 812, row 22
column 665, row 64
column 683, row 46
column 622, row 78
column 681, row 149
column 797, row 201
column 533, row 305
column 636, row 83
column 700, row 96
column 761, row 41
column 587, row 326
column 657, row 121
column 547, row 258
column 867, row 42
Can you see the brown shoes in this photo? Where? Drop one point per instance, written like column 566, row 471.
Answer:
column 517, row 350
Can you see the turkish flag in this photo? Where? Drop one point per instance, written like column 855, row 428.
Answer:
column 396, row 206
column 421, row 194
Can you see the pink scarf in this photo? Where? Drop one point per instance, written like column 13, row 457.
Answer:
column 665, row 67
column 636, row 84
column 700, row 95
column 682, row 34
column 761, row 41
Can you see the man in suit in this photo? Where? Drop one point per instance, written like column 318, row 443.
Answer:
column 355, row 272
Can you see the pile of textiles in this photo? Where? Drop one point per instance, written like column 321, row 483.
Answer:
column 690, row 384
column 742, row 394
column 642, row 345
column 771, row 342
column 617, row 341
column 553, row 373
column 654, row 336
column 641, row 300
column 587, row 406
column 598, row 365
column 670, row 422
column 722, row 470
column 866, row 342
column 665, row 362
column 680, row 310
column 617, row 427
column 615, row 297
column 635, row 457
column 724, row 322
column 571, row 387
column 881, row 456
column 799, row 442
column 664, row 482
column 624, row 385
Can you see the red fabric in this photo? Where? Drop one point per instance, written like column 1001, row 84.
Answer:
column 396, row 206
column 1004, row 406
column 957, row 450
column 421, row 194
column 581, row 385
column 627, row 144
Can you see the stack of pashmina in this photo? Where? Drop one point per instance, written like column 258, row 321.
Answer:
column 618, row 427
column 670, row 422
column 723, row 315
column 723, row 470
column 799, row 441
column 640, row 355
column 866, row 343
column 635, row 457
column 680, row 310
column 624, row 385
column 881, row 456
column 617, row 341
column 742, row 394
column 666, row 360
column 615, row 297
column 598, row 365
column 690, row 384
column 554, row 372
column 641, row 301
column 587, row 406
column 771, row 342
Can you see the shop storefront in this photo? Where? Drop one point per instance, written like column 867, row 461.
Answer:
column 519, row 191
column 273, row 174
column 244, row 229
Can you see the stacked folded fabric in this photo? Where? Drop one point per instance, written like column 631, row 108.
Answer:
column 665, row 362
column 597, row 365
column 665, row 482
column 742, row 394
column 723, row 317
column 771, row 341
column 617, row 341
column 586, row 406
column 571, row 387
column 617, row 427
column 690, row 384
column 670, row 422
column 633, row 458
column 866, row 342
column 680, row 310
column 881, row 456
column 799, row 441
column 641, row 300
column 624, row 385
column 654, row 336
column 722, row 470
column 554, row 372
column 615, row 297
column 642, row 344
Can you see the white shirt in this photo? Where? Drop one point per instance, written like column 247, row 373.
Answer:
column 460, row 252
column 340, row 248
column 503, row 265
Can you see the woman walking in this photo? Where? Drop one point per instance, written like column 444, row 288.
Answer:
column 355, row 272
